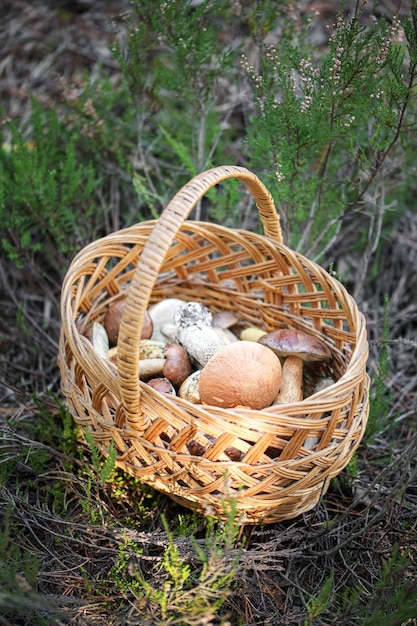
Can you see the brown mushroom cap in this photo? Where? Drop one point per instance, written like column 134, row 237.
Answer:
column 162, row 384
column 289, row 342
column 178, row 365
column 243, row 373
column 224, row 319
column 113, row 318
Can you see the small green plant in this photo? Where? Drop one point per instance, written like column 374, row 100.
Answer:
column 69, row 436
column 12, row 559
column 63, row 173
column 96, row 475
column 19, row 569
column 183, row 591
column 346, row 479
column 319, row 603
column 392, row 599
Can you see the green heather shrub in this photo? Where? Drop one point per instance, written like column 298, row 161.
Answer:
column 177, row 68
column 45, row 191
column 183, row 591
column 330, row 123
column 64, row 175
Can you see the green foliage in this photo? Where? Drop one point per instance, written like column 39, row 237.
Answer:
column 12, row 559
column 19, row 569
column 318, row 604
column 62, row 173
column 44, row 190
column 184, row 588
column 181, row 43
column 69, row 436
column 177, row 99
column 325, row 123
column 319, row 127
column 346, row 479
column 391, row 601
column 103, row 469
column 100, row 472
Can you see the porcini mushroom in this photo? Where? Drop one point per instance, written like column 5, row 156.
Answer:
column 177, row 366
column 113, row 318
column 224, row 319
column 222, row 323
column 296, row 347
column 97, row 335
column 243, row 373
column 162, row 384
column 162, row 314
column 189, row 388
column 196, row 333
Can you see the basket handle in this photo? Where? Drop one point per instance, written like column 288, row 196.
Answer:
column 150, row 263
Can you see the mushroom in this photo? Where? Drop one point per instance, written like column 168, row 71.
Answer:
column 150, row 367
column 189, row 388
column 97, row 335
column 243, row 373
column 296, row 347
column 156, row 358
column 177, row 366
column 252, row 333
column 152, row 358
column 148, row 349
column 222, row 323
column 113, row 318
column 151, row 349
column 196, row 333
column 163, row 318
column 197, row 449
column 224, row 319
column 162, row 384
column 225, row 334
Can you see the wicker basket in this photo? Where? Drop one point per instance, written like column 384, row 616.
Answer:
column 265, row 284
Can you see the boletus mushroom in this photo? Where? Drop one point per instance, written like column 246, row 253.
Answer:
column 162, row 314
column 97, row 335
column 189, row 389
column 113, row 318
column 162, row 384
column 296, row 347
column 196, row 333
column 177, row 366
column 243, row 373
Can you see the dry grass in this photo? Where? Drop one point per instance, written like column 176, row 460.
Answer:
column 64, row 533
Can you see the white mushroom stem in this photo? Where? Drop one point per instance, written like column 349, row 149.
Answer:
column 162, row 315
column 97, row 334
column 291, row 389
column 196, row 333
column 296, row 347
column 150, row 367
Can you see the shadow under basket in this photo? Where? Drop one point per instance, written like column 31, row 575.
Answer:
column 288, row 452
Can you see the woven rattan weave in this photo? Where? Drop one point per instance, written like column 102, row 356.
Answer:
column 266, row 284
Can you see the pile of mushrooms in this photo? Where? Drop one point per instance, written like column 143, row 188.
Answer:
column 207, row 358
